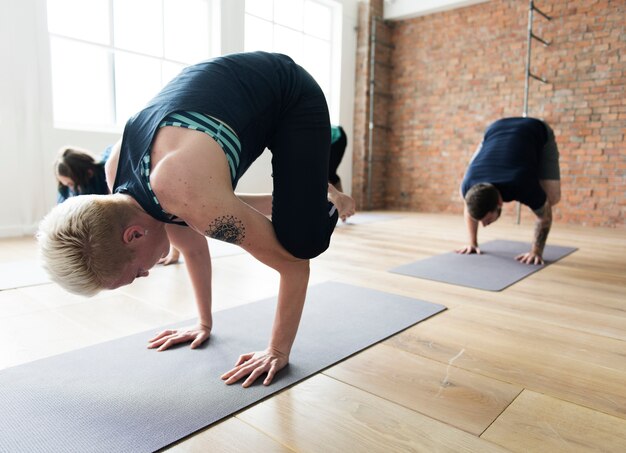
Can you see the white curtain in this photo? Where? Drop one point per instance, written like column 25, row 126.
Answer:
column 22, row 185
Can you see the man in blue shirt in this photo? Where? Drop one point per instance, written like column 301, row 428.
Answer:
column 518, row 159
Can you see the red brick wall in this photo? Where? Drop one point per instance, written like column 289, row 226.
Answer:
column 455, row 72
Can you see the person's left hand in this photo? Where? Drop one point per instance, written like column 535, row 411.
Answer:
column 253, row 364
column 530, row 258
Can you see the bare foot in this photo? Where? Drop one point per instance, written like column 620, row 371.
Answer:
column 172, row 257
column 344, row 203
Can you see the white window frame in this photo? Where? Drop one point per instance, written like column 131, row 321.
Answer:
column 110, row 48
column 333, row 95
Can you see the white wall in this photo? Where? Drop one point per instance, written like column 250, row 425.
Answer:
column 29, row 142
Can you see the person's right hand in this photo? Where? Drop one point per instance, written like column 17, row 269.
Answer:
column 254, row 364
column 163, row 340
column 469, row 249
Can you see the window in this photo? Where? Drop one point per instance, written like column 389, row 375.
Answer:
column 109, row 57
column 302, row 29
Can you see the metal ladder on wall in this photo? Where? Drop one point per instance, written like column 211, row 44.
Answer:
column 531, row 9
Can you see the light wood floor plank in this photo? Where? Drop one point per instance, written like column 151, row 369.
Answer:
column 39, row 334
column 19, row 248
column 536, row 422
column 586, row 369
column 322, row 414
column 230, row 436
column 455, row 396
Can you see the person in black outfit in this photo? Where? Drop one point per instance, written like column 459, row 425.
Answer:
column 78, row 172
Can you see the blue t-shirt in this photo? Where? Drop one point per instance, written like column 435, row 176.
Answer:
column 509, row 159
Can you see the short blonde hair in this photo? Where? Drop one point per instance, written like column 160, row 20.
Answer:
column 80, row 242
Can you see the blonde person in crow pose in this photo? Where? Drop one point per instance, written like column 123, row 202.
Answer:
column 174, row 173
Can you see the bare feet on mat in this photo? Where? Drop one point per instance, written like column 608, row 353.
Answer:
column 172, row 257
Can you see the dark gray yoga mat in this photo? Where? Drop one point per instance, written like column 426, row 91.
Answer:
column 493, row 270
column 119, row 396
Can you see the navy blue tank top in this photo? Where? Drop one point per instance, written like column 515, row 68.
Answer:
column 249, row 92
column 509, row 159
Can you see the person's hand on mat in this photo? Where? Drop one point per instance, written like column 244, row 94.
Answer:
column 469, row 249
column 171, row 258
column 530, row 258
column 254, row 364
column 197, row 335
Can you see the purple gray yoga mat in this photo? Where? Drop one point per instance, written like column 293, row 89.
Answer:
column 493, row 270
column 119, row 396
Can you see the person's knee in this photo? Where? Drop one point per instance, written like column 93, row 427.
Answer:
column 304, row 246
column 306, row 239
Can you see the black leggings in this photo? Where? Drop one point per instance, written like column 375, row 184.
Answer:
column 302, row 216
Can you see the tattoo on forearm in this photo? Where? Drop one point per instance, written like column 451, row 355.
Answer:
column 227, row 229
column 541, row 235
column 542, row 228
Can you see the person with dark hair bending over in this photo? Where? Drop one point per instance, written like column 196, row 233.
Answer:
column 174, row 173
column 79, row 173
column 338, row 143
column 518, row 159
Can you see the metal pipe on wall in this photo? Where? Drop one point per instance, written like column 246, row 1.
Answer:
column 372, row 87
column 531, row 9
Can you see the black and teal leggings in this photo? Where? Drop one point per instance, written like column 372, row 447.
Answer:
column 302, row 216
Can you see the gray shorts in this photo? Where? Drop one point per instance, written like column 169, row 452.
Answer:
column 549, row 163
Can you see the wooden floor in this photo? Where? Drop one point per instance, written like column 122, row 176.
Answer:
column 540, row 366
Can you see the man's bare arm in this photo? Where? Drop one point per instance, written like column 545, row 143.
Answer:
column 472, row 231
column 542, row 229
